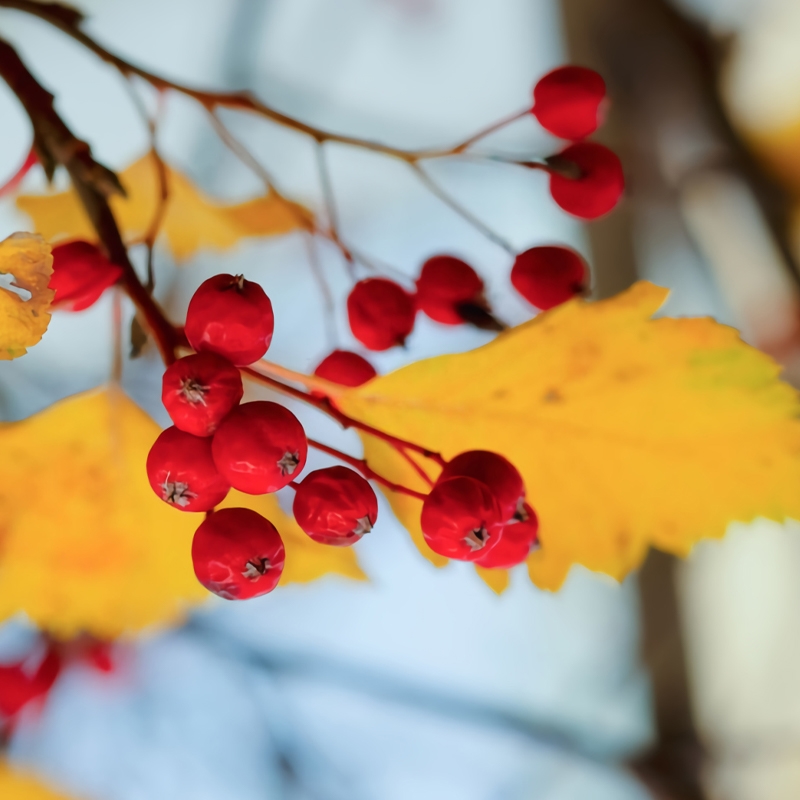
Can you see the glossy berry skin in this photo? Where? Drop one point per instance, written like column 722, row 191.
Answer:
column 335, row 506
column 20, row 686
column 381, row 313
column 198, row 391
column 345, row 368
column 260, row 447
column 461, row 519
column 492, row 469
column 517, row 540
column 548, row 276
column 237, row 554
column 599, row 187
column 182, row 472
column 232, row 317
column 444, row 284
column 81, row 273
column 568, row 101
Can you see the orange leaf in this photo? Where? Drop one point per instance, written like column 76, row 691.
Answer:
column 628, row 431
column 191, row 221
column 16, row 785
column 23, row 321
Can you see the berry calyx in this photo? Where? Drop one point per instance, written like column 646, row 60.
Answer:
column 518, row 539
column 568, row 102
column 198, row 391
column 181, row 471
column 81, row 273
column 548, row 276
column 237, row 554
column 496, row 472
column 461, row 519
column 345, row 368
column 335, row 506
column 260, row 447
column 597, row 188
column 232, row 317
column 381, row 313
column 446, row 288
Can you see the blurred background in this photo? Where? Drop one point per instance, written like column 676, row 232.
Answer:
column 682, row 683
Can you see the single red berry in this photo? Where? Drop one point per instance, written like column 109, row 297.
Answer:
column 568, row 102
column 444, row 285
column 498, row 473
column 381, row 313
column 260, row 447
column 198, row 391
column 517, row 539
column 20, row 685
column 548, row 276
column 81, row 273
column 599, row 186
column 237, row 554
column 345, row 368
column 230, row 316
column 461, row 519
column 182, row 473
column 335, row 506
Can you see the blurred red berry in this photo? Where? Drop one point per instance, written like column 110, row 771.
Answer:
column 548, row 276
column 599, row 186
column 381, row 313
column 181, row 471
column 260, row 447
column 20, row 685
column 517, row 539
column 335, row 506
column 568, row 102
column 446, row 283
column 81, row 273
column 237, row 554
column 345, row 368
column 461, row 519
column 198, row 391
column 492, row 469
column 232, row 317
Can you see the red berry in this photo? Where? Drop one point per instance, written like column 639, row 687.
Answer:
column 182, row 472
column 81, row 273
column 335, row 506
column 445, row 283
column 237, row 554
column 517, row 539
column 259, row 447
column 598, row 188
column 20, row 686
column 549, row 276
column 498, row 473
column 345, row 368
column 461, row 519
column 381, row 313
column 568, row 102
column 198, row 391
column 230, row 316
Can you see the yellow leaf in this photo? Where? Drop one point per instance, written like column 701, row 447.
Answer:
column 496, row 579
column 24, row 321
column 628, row 431
column 16, row 785
column 191, row 221
column 306, row 560
column 85, row 545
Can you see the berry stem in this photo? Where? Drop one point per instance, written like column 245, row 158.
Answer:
column 361, row 465
column 489, row 129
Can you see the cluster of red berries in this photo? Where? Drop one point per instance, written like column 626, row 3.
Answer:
column 217, row 443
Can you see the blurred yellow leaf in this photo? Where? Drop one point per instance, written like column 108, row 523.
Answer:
column 16, row 785
column 306, row 560
column 85, row 545
column 27, row 257
column 191, row 220
column 628, row 431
